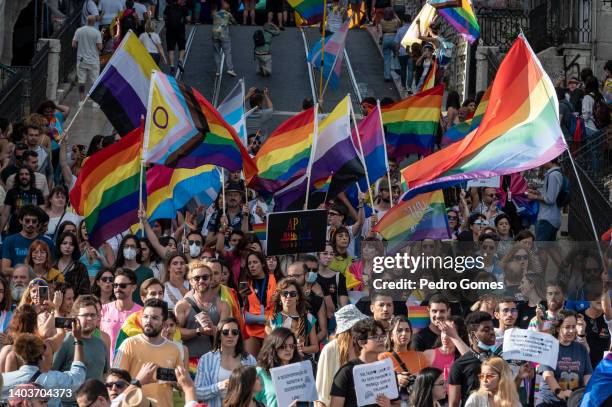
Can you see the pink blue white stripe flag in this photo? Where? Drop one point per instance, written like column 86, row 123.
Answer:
column 232, row 110
column 334, row 55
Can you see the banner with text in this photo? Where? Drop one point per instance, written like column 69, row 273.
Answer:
column 372, row 379
column 296, row 232
column 532, row 346
column 294, row 382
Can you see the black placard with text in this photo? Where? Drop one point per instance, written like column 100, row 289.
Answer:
column 296, row 232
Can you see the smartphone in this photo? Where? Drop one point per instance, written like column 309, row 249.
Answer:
column 303, row 404
column 243, row 285
column 62, row 322
column 166, row 374
column 43, row 292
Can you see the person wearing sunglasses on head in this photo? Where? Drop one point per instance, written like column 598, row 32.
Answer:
column 215, row 368
column 290, row 311
column 471, row 232
column 496, row 385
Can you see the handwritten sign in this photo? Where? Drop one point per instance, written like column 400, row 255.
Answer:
column 493, row 182
column 372, row 379
column 532, row 346
column 296, row 232
column 294, row 382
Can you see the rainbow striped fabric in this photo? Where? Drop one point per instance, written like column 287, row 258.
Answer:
column 284, row 155
column 519, row 131
column 107, row 188
column 460, row 130
column 411, row 124
column 183, row 130
column 463, row 19
column 170, row 189
column 422, row 217
column 418, row 316
column 323, row 184
column 122, row 89
column 372, row 136
column 259, row 229
column 430, row 80
column 311, row 11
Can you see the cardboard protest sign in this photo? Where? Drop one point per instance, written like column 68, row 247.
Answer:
column 294, row 382
column 296, row 232
column 493, row 182
column 372, row 379
column 532, row 346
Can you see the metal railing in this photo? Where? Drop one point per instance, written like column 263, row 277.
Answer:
column 556, row 22
column 11, row 91
column 34, row 80
column 499, row 27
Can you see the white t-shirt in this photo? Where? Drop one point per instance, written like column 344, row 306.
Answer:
column 110, row 8
column 150, row 41
column 87, row 39
column 90, row 9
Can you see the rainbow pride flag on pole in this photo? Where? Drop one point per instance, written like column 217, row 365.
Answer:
column 284, row 155
column 183, row 130
column 519, row 131
column 311, row 11
column 411, row 124
column 107, row 188
column 463, row 19
column 322, row 185
column 460, row 130
column 259, row 229
column 422, row 217
column 430, row 80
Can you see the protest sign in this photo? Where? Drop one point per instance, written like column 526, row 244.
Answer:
column 493, row 182
column 296, row 232
column 372, row 379
column 294, row 382
column 533, row 346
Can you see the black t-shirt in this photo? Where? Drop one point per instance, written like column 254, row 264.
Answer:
column 17, row 198
column 464, row 372
column 334, row 286
column 344, row 385
column 174, row 16
column 314, row 303
column 598, row 337
column 424, row 339
column 525, row 314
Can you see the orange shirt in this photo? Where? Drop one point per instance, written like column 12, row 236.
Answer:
column 413, row 360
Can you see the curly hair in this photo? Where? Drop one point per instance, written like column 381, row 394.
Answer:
column 268, row 356
column 301, row 305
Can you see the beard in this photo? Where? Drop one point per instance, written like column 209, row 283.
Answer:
column 151, row 332
column 17, row 292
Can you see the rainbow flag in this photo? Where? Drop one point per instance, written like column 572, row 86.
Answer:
column 184, row 130
column 323, row 184
column 418, row 316
column 107, row 188
column 284, row 155
column 259, row 229
column 170, row 189
column 460, row 130
column 430, row 79
column 122, row 89
column 311, row 11
column 463, row 20
column 422, row 217
column 372, row 136
column 411, row 124
column 519, row 131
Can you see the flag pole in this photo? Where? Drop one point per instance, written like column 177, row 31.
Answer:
column 65, row 132
column 223, row 189
column 361, row 150
column 330, row 74
column 386, row 156
column 140, row 191
column 313, row 147
column 322, row 49
column 327, row 192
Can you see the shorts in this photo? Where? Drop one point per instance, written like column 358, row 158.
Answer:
column 174, row 38
column 264, row 63
column 275, row 6
column 86, row 70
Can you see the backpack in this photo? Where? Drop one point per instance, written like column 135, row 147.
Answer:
column 601, row 112
column 563, row 198
column 259, row 39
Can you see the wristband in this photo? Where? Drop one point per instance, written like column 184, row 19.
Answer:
column 136, row 383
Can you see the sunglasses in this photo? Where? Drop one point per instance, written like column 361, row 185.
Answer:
column 120, row 384
column 107, row 279
column 226, row 332
column 487, row 376
column 452, row 218
column 289, row 294
column 313, row 269
column 204, row 277
column 287, row 346
column 480, row 223
column 194, row 242
column 518, row 257
column 123, row 286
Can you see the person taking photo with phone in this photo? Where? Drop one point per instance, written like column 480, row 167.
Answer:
column 151, row 347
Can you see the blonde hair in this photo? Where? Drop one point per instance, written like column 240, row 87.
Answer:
column 344, row 345
column 196, row 265
column 149, row 26
column 506, row 394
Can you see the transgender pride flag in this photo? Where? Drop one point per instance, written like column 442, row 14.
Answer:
column 334, row 55
column 232, row 110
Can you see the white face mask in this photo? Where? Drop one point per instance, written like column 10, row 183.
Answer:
column 194, row 250
column 129, row 253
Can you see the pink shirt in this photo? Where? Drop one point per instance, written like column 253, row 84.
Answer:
column 112, row 320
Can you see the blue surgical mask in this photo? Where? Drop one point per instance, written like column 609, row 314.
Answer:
column 311, row 277
column 487, row 348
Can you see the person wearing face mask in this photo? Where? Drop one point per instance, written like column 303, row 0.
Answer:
column 128, row 258
column 192, row 247
column 463, row 378
column 307, row 280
